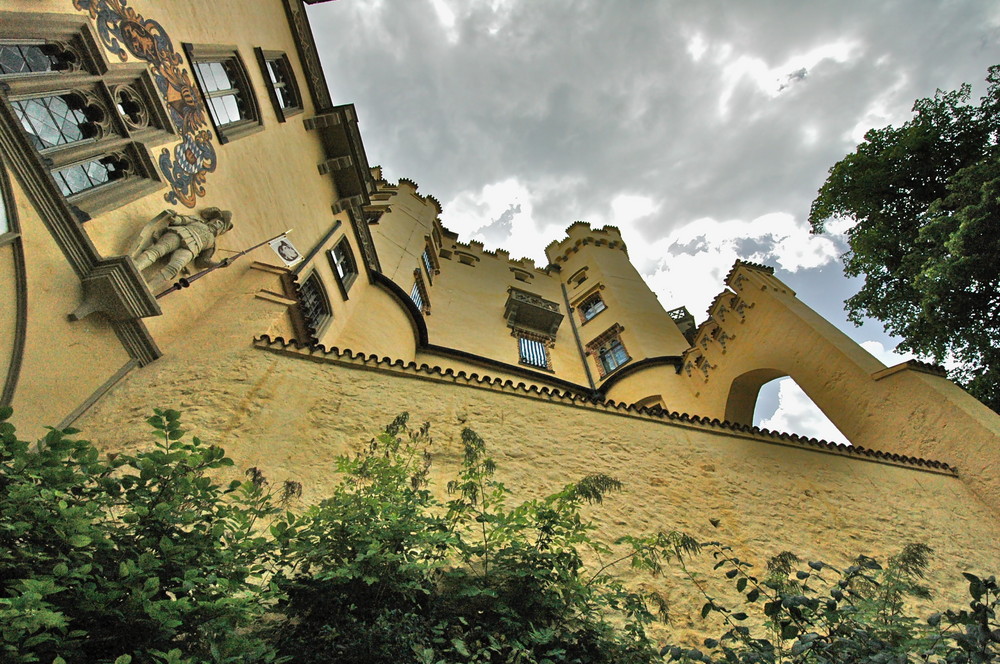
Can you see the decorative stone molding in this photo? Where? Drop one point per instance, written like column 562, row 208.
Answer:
column 308, row 55
column 115, row 288
column 350, row 359
column 528, row 311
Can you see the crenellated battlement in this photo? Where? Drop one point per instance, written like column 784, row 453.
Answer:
column 580, row 234
column 473, row 251
column 385, row 188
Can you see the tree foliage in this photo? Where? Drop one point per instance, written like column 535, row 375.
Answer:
column 146, row 558
column 139, row 556
column 925, row 199
column 382, row 571
column 816, row 613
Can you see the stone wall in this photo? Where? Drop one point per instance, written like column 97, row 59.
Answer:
column 291, row 411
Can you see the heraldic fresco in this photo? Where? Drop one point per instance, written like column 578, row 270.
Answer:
column 123, row 31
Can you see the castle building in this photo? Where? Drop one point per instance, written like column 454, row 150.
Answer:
column 151, row 151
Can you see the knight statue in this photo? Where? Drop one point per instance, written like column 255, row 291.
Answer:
column 183, row 239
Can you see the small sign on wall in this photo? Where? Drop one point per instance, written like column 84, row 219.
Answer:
column 286, row 251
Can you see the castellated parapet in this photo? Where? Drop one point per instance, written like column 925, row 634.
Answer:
column 580, row 234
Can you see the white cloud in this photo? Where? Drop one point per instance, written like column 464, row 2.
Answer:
column 626, row 209
column 796, row 413
column 708, row 247
column 890, row 107
column 696, row 46
column 446, row 17
column 885, row 355
column 772, row 81
column 470, row 211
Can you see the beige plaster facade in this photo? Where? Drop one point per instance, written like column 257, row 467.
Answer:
column 568, row 368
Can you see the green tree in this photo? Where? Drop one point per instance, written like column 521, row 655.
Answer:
column 925, row 199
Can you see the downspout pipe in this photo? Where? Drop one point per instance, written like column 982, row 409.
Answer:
column 579, row 344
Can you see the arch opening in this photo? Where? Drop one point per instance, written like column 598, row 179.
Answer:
column 782, row 405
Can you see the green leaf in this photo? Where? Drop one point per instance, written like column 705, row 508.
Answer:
column 124, row 659
column 79, row 541
column 460, row 648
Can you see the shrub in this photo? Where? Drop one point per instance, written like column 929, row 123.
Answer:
column 136, row 555
column 382, row 571
column 857, row 615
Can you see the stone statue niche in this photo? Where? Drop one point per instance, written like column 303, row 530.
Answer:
column 176, row 241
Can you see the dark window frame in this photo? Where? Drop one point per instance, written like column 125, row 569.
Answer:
column 418, row 293
column 544, row 344
column 201, row 54
column 613, row 355
column 588, row 313
column 605, row 349
column 430, row 263
column 278, row 60
column 345, row 281
column 317, row 324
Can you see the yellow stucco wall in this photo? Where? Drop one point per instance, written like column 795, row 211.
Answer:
column 64, row 362
column 289, row 412
column 905, row 410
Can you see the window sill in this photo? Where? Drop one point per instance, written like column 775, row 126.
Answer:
column 585, row 321
column 616, row 369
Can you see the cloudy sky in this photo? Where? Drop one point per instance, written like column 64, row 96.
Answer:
column 701, row 129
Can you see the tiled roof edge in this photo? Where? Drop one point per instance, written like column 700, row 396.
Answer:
column 346, row 356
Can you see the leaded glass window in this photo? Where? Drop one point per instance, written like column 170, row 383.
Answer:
column 27, row 58
column 613, row 355
column 88, row 175
column 63, row 94
column 54, row 121
column 591, row 306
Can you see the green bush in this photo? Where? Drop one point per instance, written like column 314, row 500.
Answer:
column 818, row 613
column 146, row 557
column 382, row 571
column 138, row 556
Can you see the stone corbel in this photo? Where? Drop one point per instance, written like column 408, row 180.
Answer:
column 116, row 289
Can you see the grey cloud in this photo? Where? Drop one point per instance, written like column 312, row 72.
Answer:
column 605, row 95
column 498, row 231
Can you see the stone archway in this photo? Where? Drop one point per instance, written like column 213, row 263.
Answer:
column 744, row 391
